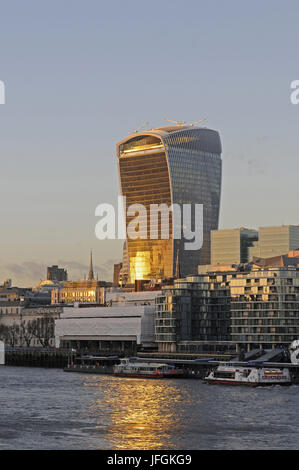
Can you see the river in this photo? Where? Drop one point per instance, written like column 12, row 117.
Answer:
column 51, row 409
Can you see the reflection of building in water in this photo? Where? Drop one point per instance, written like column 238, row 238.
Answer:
column 169, row 165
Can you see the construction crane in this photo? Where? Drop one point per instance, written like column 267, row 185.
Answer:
column 182, row 123
column 139, row 128
column 197, row 122
column 178, row 123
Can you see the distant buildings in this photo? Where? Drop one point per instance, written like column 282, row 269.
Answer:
column 89, row 291
column 274, row 241
column 25, row 296
column 117, row 269
column 174, row 164
column 54, row 273
column 242, row 245
column 83, row 291
column 232, row 246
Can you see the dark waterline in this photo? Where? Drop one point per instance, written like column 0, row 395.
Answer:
column 51, row 409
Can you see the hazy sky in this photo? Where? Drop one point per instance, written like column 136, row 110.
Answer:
column 81, row 75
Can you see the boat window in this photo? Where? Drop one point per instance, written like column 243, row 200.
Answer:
column 224, row 375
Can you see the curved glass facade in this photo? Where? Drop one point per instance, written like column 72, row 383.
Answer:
column 171, row 165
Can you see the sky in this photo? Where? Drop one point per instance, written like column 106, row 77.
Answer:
column 80, row 75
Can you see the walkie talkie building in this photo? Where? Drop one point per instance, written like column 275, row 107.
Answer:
column 170, row 165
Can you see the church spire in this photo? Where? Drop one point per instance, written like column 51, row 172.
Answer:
column 90, row 274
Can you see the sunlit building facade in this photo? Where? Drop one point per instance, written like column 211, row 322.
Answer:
column 170, row 165
column 274, row 241
column 265, row 307
column 231, row 246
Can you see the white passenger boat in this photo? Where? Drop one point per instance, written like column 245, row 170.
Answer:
column 129, row 368
column 229, row 374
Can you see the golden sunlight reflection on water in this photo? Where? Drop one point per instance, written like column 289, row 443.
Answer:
column 143, row 413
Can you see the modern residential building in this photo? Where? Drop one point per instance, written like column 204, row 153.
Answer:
column 170, row 165
column 274, row 241
column 193, row 309
column 54, row 273
column 265, row 307
column 231, row 246
column 245, row 306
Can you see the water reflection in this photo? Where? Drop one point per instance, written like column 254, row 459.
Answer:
column 143, row 414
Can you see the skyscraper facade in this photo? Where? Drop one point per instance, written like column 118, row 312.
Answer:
column 170, row 165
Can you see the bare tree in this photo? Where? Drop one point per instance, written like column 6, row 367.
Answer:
column 27, row 331
column 43, row 330
column 4, row 333
column 10, row 334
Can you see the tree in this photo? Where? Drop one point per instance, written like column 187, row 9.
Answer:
column 10, row 334
column 43, row 330
column 4, row 333
column 27, row 331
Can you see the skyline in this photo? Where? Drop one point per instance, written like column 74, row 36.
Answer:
column 61, row 122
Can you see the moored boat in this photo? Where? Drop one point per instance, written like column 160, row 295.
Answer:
column 92, row 364
column 227, row 374
column 128, row 368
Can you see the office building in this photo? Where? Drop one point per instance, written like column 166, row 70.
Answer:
column 54, row 273
column 231, row 246
column 170, row 165
column 274, row 241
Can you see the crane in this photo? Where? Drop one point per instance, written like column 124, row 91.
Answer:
column 178, row 123
column 139, row 128
column 197, row 122
column 182, row 123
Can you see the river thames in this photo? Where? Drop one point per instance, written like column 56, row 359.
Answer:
column 51, row 409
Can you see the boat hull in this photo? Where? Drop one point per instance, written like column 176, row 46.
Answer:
column 248, row 384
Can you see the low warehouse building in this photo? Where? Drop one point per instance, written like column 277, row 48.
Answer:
column 120, row 329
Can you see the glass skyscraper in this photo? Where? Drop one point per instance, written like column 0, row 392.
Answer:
column 170, row 165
